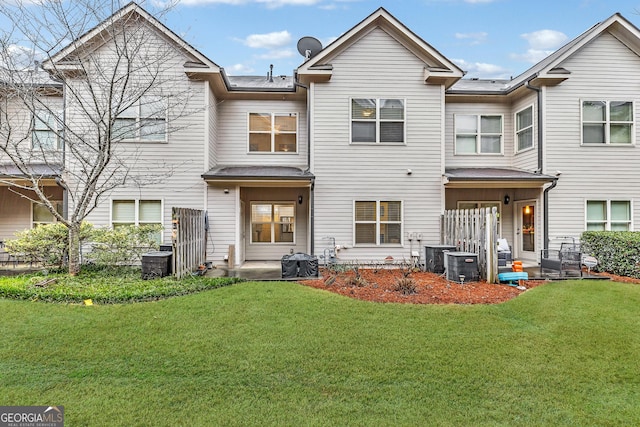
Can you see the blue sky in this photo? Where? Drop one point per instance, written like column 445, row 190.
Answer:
column 487, row 38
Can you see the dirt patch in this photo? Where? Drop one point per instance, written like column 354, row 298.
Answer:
column 381, row 285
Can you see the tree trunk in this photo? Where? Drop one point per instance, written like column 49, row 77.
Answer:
column 74, row 250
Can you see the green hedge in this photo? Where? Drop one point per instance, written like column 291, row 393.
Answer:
column 618, row 252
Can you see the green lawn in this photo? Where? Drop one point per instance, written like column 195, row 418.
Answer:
column 279, row 353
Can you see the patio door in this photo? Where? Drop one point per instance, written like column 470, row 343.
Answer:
column 526, row 230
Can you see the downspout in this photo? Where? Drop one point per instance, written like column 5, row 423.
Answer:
column 546, row 212
column 296, row 83
column 545, row 198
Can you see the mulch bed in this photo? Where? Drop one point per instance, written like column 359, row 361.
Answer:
column 379, row 285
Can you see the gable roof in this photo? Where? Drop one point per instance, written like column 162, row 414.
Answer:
column 64, row 57
column 550, row 70
column 438, row 69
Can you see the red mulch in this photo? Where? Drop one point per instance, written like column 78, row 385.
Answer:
column 431, row 288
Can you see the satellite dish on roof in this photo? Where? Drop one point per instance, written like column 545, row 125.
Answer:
column 309, row 46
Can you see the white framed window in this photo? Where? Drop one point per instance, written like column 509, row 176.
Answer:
column 45, row 132
column 41, row 215
column 273, row 222
column 478, row 134
column 377, row 222
column 146, row 120
column 608, row 215
column 524, row 129
column 378, row 121
column 136, row 212
column 273, row 132
column 607, row 122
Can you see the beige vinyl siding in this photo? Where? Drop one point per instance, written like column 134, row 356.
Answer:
column 604, row 69
column 526, row 159
column 15, row 211
column 223, row 225
column 376, row 66
column 479, row 160
column 233, row 136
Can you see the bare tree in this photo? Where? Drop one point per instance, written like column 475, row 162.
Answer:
column 85, row 85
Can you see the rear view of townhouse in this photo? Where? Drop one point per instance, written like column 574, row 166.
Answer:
column 371, row 139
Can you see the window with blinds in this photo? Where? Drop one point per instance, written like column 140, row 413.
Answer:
column 377, row 222
column 377, row 120
column 136, row 212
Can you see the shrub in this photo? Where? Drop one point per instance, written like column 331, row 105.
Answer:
column 406, row 286
column 123, row 245
column 618, row 252
column 46, row 244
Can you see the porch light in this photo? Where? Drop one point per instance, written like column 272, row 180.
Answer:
column 507, row 199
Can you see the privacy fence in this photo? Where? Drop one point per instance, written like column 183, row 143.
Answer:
column 475, row 231
column 189, row 240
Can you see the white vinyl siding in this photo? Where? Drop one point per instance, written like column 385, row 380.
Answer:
column 377, row 222
column 233, row 133
column 524, row 129
column 273, row 132
column 607, row 122
column 603, row 70
column 609, row 215
column 478, row 134
column 381, row 172
column 377, row 120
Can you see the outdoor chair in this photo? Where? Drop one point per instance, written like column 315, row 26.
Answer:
column 504, row 253
column 568, row 259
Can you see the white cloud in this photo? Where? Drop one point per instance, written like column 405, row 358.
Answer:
column 278, row 54
column 475, row 38
column 545, row 39
column 18, row 57
column 483, row 70
column 239, row 69
column 532, row 56
column 269, row 40
column 542, row 43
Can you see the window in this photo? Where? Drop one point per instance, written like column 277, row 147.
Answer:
column 607, row 122
column 524, row 129
column 378, row 222
column 377, row 120
column 610, row 215
column 41, row 214
column 272, row 222
column 146, row 120
column 136, row 212
column 44, row 134
column 273, row 132
column 478, row 134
